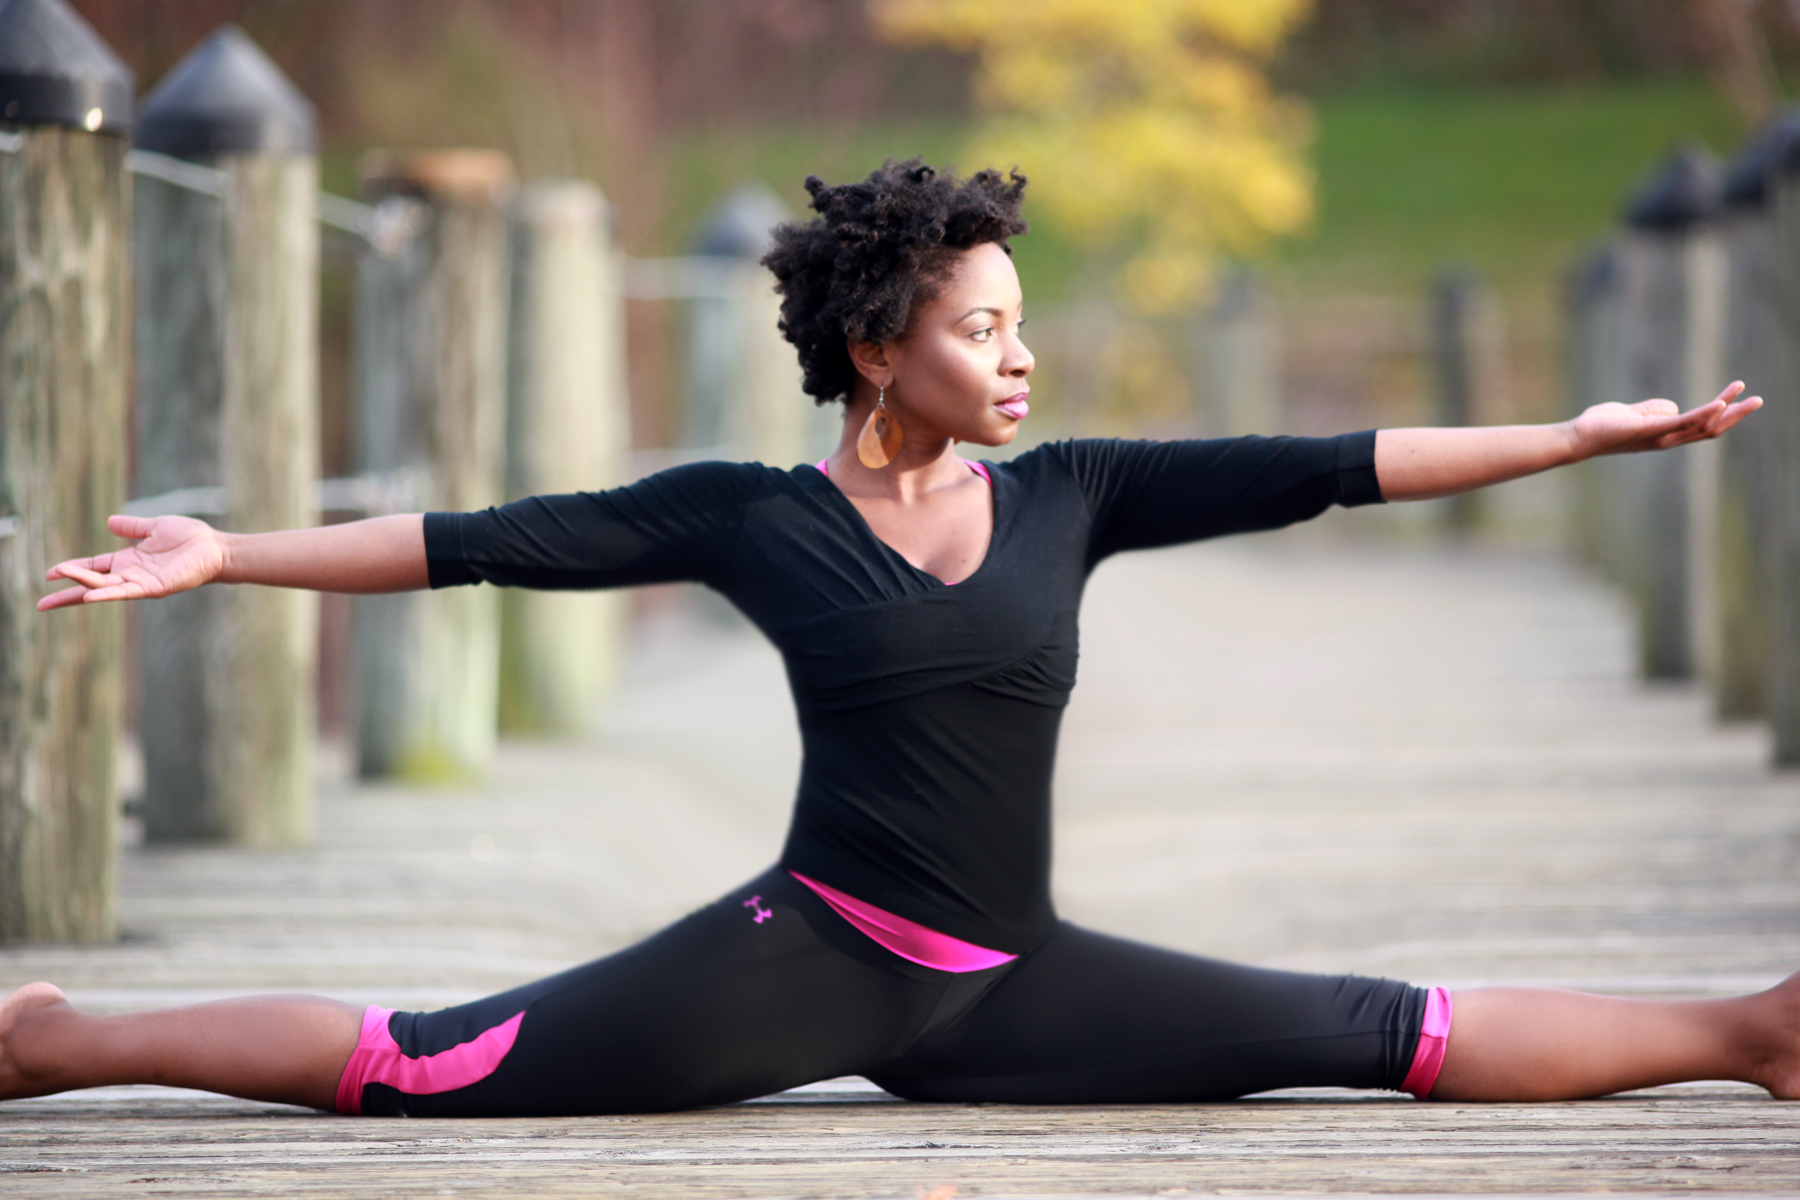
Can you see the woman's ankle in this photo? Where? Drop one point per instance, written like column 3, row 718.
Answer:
column 28, row 1065
column 1772, row 1039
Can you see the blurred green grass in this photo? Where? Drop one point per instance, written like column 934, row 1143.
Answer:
column 1511, row 181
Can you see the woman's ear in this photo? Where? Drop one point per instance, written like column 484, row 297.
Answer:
column 871, row 362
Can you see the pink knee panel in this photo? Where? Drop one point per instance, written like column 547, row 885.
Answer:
column 1434, row 1035
column 379, row 1059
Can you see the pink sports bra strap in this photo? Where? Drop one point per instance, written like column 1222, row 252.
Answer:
column 909, row 939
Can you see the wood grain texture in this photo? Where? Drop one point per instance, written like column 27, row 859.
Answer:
column 1784, row 647
column 1292, row 751
column 430, row 348
column 65, row 325
column 1672, row 325
column 568, row 430
column 1749, row 472
column 227, row 338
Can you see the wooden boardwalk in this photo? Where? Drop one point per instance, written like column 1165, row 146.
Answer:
column 1297, row 751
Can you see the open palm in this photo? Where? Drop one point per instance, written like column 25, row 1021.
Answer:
column 1659, row 424
column 174, row 555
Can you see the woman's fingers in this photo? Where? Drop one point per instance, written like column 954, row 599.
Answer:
column 87, row 577
column 113, row 589
column 67, row 596
column 100, row 562
column 130, row 527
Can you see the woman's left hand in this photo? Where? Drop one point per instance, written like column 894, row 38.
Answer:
column 1657, row 424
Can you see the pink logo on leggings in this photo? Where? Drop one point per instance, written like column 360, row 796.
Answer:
column 754, row 903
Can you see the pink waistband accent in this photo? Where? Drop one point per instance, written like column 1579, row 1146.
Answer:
column 379, row 1059
column 909, row 939
column 1434, row 1035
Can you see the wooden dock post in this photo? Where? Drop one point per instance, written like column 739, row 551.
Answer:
column 568, row 429
column 430, row 351
column 65, row 323
column 1463, row 357
column 1749, row 463
column 1596, row 365
column 1240, row 359
column 743, row 381
column 1674, row 277
column 1783, row 417
column 228, row 397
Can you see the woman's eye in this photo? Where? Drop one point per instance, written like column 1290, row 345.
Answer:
column 983, row 335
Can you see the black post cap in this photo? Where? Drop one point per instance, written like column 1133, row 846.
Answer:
column 55, row 70
column 1681, row 192
column 226, row 97
column 740, row 226
column 1747, row 178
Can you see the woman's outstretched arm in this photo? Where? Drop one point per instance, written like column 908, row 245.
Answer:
column 1420, row 464
column 176, row 554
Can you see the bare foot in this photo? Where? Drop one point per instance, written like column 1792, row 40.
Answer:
column 1779, row 1070
column 17, row 1012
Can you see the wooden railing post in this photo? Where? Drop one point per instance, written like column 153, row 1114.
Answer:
column 1464, row 358
column 568, row 429
column 743, row 382
column 65, row 326
column 1783, row 418
column 228, row 397
column 1596, row 364
column 1240, row 359
column 1748, row 467
column 1674, row 275
column 430, row 352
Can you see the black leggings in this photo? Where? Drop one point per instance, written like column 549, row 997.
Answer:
column 723, row 1006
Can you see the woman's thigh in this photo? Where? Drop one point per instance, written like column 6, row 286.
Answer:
column 1091, row 1019
column 762, row 990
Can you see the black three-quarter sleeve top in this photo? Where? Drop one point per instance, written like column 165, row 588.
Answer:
column 928, row 712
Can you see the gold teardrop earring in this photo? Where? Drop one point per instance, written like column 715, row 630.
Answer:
column 881, row 437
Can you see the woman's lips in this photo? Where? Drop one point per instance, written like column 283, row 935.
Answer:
column 1015, row 407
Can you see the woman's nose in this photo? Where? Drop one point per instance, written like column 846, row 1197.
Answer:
column 1020, row 362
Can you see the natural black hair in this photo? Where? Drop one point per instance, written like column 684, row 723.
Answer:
column 876, row 251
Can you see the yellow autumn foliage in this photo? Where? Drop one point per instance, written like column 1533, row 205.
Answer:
column 1148, row 127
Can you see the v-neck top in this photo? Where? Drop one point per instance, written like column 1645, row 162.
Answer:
column 928, row 713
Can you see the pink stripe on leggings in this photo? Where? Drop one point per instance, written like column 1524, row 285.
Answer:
column 1434, row 1035
column 379, row 1059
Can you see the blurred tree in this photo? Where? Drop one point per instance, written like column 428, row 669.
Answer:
column 1149, row 127
column 1738, row 52
column 1743, row 44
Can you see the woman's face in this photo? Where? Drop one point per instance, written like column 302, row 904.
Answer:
column 959, row 372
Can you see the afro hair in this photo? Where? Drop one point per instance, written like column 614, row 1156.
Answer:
column 877, row 250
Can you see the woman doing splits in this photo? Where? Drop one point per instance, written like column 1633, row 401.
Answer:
column 926, row 609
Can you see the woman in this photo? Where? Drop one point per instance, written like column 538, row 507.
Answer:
column 925, row 606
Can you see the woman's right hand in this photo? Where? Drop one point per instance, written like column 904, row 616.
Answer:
column 175, row 554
